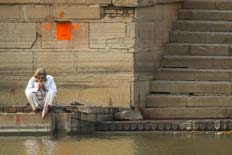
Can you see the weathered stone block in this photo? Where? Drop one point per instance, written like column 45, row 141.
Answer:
column 130, row 29
column 77, row 12
column 204, row 15
column 101, row 2
column 36, row 12
column 10, row 13
column 24, row 122
column 150, row 13
column 166, row 113
column 209, row 101
column 79, row 36
column 166, row 101
column 17, row 35
column 177, row 49
column 174, row 75
column 199, row 4
column 191, row 87
column 126, row 43
column 15, row 63
column 197, row 62
column 187, row 37
column 216, row 75
column 214, row 50
column 224, row 38
column 98, row 93
column 100, row 32
column 145, row 63
column 223, row 4
column 104, row 63
column 145, row 35
column 56, row 62
column 24, row 1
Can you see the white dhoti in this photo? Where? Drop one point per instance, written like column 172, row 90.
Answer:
column 41, row 100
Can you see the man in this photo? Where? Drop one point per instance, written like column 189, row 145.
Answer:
column 41, row 92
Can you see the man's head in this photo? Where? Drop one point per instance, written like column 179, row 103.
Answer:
column 40, row 75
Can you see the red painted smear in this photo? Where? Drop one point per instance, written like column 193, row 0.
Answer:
column 63, row 30
column 61, row 15
column 18, row 120
column 47, row 26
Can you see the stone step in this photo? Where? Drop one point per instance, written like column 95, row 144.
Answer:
column 167, row 125
column 197, row 14
column 193, row 74
column 171, row 101
column 197, row 49
column 200, row 37
column 190, row 87
column 205, row 26
column 25, row 123
column 208, row 4
column 187, row 113
column 197, row 62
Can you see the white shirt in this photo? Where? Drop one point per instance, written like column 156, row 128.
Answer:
column 32, row 86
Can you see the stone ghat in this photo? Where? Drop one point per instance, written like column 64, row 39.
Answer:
column 80, row 119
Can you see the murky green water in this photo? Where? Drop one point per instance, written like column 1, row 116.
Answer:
column 119, row 144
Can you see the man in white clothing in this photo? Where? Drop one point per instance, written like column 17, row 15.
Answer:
column 41, row 92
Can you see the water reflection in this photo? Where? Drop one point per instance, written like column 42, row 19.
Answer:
column 35, row 146
column 119, row 144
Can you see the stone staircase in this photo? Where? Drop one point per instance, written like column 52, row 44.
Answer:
column 194, row 81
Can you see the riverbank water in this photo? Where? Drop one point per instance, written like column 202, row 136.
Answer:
column 148, row 143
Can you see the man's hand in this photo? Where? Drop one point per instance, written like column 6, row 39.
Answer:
column 42, row 87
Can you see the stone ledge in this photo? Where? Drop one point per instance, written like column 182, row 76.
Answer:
column 142, row 3
column 167, row 125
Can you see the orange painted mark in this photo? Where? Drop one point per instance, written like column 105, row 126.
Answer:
column 61, row 15
column 47, row 26
column 63, row 30
column 76, row 27
column 18, row 120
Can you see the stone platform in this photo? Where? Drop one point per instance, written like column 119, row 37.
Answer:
column 19, row 120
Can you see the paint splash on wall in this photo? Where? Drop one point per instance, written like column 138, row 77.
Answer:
column 63, row 30
column 47, row 26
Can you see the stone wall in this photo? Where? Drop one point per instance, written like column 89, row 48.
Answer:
column 100, row 52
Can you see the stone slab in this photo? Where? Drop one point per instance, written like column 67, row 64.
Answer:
column 191, row 87
column 101, row 32
column 56, row 62
column 204, row 26
column 199, row 4
column 36, row 13
column 124, row 43
column 197, row 62
column 25, row 123
column 187, row 113
column 187, row 37
column 17, row 35
column 10, row 13
column 104, row 63
column 86, row 2
column 209, row 101
column 166, row 101
column 76, row 12
column 99, row 93
column 197, row 49
column 15, row 63
column 193, row 75
column 205, row 14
